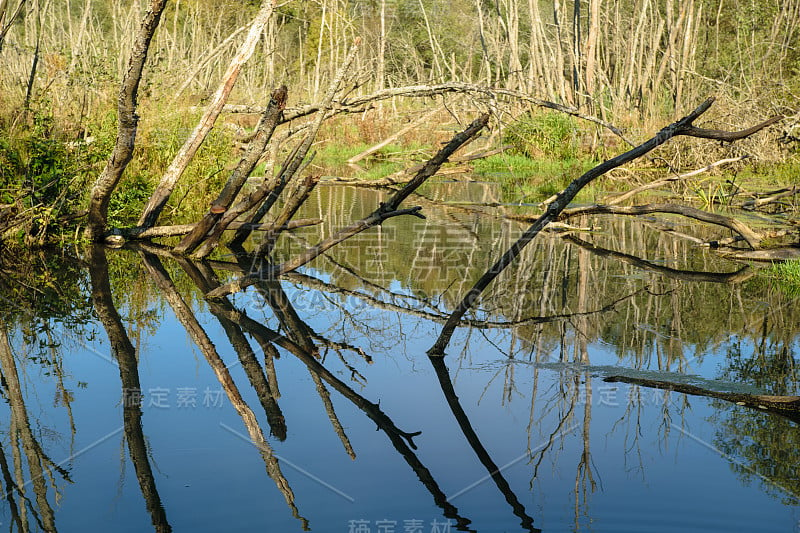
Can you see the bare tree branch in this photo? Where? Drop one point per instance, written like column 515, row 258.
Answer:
column 682, row 127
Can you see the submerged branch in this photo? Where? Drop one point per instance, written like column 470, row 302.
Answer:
column 753, row 239
column 786, row 406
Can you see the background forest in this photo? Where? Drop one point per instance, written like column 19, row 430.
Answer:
column 634, row 64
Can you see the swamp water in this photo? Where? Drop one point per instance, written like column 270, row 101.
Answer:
column 131, row 404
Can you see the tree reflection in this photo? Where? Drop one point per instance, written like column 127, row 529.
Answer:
column 125, row 355
column 546, row 320
column 764, row 446
column 25, row 447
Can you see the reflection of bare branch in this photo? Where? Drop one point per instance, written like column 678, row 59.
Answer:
column 401, row 440
column 8, row 482
column 337, row 425
column 205, row 279
column 557, row 432
column 740, row 275
column 584, row 473
column 310, row 281
column 186, row 317
column 315, row 283
column 474, row 441
column 301, row 333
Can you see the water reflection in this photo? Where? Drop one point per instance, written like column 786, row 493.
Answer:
column 125, row 355
column 523, row 387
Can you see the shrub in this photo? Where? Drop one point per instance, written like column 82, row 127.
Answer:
column 548, row 135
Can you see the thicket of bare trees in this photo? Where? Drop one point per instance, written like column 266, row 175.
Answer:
column 621, row 59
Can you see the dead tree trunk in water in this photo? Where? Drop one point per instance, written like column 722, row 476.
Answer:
column 255, row 150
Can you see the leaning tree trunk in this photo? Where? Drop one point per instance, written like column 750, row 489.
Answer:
column 158, row 200
column 128, row 120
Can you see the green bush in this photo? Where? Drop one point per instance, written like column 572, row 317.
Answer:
column 548, row 135
column 44, row 175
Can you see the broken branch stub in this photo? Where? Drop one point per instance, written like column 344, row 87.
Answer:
column 266, row 126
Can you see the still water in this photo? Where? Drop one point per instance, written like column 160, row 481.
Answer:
column 131, row 404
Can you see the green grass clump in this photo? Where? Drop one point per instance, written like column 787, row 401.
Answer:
column 787, row 276
column 771, row 175
column 44, row 175
column 507, row 164
column 531, row 180
column 548, row 135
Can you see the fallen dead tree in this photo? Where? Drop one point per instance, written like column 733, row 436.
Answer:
column 683, row 127
column 247, row 212
column 787, row 406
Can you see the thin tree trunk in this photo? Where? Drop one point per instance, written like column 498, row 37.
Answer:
column 128, row 120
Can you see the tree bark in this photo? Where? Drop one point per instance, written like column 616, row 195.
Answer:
column 128, row 120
